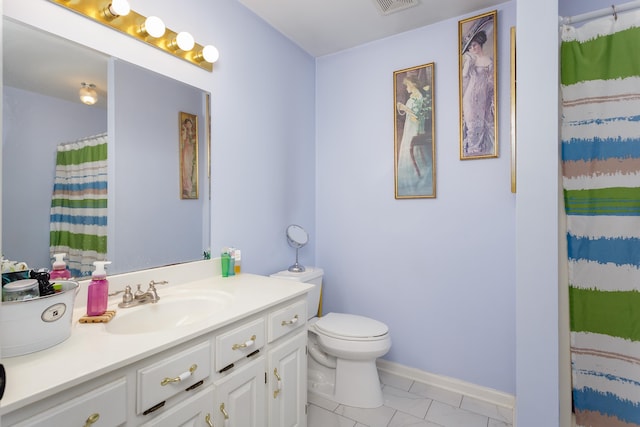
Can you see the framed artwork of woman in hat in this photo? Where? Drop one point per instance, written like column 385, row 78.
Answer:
column 478, row 81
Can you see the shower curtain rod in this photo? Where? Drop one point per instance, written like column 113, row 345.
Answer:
column 602, row 12
column 86, row 138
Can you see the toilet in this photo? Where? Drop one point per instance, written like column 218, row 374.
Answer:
column 343, row 349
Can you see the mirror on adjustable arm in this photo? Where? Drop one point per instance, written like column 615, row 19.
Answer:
column 148, row 222
column 297, row 237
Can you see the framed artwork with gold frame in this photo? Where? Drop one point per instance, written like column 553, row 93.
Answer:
column 414, row 142
column 513, row 109
column 188, row 152
column 477, row 38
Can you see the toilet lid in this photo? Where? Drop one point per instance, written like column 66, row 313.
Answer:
column 351, row 325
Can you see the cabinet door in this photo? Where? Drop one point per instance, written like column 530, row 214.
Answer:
column 240, row 397
column 287, row 383
column 197, row 411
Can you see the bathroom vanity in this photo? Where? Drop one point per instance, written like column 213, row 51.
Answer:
column 212, row 352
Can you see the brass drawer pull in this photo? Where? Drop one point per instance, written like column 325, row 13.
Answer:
column 224, row 411
column 245, row 344
column 183, row 376
column 290, row 322
column 93, row 418
column 277, row 391
column 207, row 419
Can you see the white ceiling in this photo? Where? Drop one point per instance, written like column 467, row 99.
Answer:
column 42, row 63
column 322, row 27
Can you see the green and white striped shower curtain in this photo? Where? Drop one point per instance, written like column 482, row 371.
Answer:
column 78, row 220
column 600, row 77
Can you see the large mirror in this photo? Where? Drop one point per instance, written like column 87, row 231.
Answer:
column 149, row 221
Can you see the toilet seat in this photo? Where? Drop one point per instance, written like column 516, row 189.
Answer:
column 351, row 327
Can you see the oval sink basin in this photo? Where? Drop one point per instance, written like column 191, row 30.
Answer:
column 170, row 312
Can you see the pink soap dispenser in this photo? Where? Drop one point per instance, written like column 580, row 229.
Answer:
column 98, row 290
column 60, row 270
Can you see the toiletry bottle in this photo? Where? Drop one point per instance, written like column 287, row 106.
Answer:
column 232, row 262
column 224, row 262
column 238, row 258
column 98, row 290
column 60, row 270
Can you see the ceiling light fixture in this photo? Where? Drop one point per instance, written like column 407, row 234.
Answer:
column 88, row 94
column 152, row 31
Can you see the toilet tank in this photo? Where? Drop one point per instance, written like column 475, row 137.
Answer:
column 312, row 276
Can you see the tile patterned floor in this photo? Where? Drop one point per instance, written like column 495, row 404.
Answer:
column 408, row 403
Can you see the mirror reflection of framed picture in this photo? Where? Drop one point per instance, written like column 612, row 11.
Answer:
column 188, row 156
column 414, row 132
column 477, row 38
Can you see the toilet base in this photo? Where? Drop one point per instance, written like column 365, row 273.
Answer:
column 358, row 383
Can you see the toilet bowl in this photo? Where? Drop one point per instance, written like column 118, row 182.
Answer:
column 343, row 349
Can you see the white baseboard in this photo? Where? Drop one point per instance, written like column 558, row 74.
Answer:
column 485, row 394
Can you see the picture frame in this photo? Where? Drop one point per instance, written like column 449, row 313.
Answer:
column 188, row 153
column 477, row 37
column 414, row 132
column 512, row 69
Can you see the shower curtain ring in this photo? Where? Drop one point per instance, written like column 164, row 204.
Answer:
column 615, row 14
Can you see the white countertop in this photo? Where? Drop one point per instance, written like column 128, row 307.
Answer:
column 91, row 350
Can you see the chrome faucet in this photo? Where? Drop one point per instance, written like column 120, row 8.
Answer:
column 130, row 299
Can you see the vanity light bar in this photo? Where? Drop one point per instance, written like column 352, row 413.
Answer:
column 132, row 24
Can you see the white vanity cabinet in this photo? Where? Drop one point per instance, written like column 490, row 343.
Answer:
column 266, row 386
column 245, row 370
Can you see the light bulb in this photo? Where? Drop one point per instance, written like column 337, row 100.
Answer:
column 119, row 8
column 153, row 26
column 185, row 41
column 210, row 54
column 87, row 93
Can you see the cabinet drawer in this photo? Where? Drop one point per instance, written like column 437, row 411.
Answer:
column 172, row 375
column 107, row 405
column 192, row 412
column 239, row 342
column 287, row 319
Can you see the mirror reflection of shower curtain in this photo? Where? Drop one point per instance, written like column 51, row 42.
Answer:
column 78, row 220
column 600, row 77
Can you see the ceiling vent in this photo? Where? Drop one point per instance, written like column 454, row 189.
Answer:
column 387, row 7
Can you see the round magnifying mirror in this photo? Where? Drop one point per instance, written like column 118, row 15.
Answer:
column 297, row 238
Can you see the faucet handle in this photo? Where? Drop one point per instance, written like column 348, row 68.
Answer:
column 153, row 283
column 128, row 296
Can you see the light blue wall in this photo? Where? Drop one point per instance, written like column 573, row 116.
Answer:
column 440, row 272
